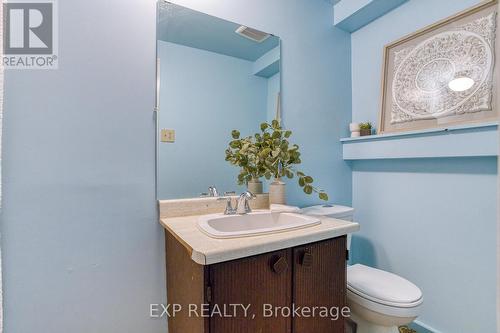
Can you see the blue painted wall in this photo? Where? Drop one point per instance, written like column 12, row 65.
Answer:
column 316, row 83
column 204, row 96
column 432, row 221
column 82, row 248
column 273, row 89
column 269, row 64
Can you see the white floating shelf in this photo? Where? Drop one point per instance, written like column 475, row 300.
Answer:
column 459, row 141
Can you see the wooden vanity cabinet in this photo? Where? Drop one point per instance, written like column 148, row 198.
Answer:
column 312, row 275
column 319, row 279
column 252, row 281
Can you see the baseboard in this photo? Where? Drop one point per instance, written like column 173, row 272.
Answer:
column 422, row 328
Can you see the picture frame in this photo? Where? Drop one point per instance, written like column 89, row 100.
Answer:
column 419, row 71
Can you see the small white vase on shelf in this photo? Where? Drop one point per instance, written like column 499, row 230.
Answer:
column 277, row 192
column 355, row 130
column 255, row 186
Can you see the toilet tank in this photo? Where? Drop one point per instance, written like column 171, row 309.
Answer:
column 334, row 211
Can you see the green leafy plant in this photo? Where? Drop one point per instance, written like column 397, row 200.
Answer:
column 244, row 153
column 366, row 126
column 269, row 154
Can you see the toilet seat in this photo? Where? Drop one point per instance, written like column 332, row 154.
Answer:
column 383, row 292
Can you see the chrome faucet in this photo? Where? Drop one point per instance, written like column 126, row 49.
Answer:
column 242, row 205
column 212, row 191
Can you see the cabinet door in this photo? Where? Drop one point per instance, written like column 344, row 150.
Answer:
column 320, row 281
column 259, row 280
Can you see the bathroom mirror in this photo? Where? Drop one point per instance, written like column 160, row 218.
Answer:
column 214, row 76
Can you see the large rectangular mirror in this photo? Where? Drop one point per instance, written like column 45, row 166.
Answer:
column 214, row 76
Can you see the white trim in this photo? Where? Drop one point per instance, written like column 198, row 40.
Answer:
column 452, row 143
column 421, row 132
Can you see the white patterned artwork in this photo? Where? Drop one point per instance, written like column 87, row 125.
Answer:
column 444, row 74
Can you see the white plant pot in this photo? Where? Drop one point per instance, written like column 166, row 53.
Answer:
column 355, row 134
column 354, row 127
column 277, row 192
column 255, row 186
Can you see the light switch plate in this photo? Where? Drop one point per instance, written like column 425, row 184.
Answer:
column 167, row 135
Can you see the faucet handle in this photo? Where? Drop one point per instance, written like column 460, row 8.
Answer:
column 229, row 210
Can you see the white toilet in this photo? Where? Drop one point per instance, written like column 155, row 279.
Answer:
column 379, row 301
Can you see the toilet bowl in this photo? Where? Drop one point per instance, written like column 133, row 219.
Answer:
column 380, row 301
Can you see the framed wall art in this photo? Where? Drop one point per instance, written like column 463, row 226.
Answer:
column 442, row 75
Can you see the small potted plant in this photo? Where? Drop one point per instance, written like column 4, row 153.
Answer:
column 365, row 129
column 280, row 159
column 243, row 153
column 275, row 158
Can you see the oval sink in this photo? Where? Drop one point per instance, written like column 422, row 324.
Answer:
column 255, row 223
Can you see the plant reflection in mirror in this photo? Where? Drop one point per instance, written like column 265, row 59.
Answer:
column 269, row 154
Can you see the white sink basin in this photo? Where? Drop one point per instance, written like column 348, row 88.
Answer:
column 255, row 223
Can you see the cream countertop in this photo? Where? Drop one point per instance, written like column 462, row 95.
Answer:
column 206, row 250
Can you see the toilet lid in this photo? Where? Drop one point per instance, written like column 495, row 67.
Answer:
column 382, row 287
column 334, row 211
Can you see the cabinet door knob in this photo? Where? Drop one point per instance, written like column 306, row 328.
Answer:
column 280, row 265
column 307, row 259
